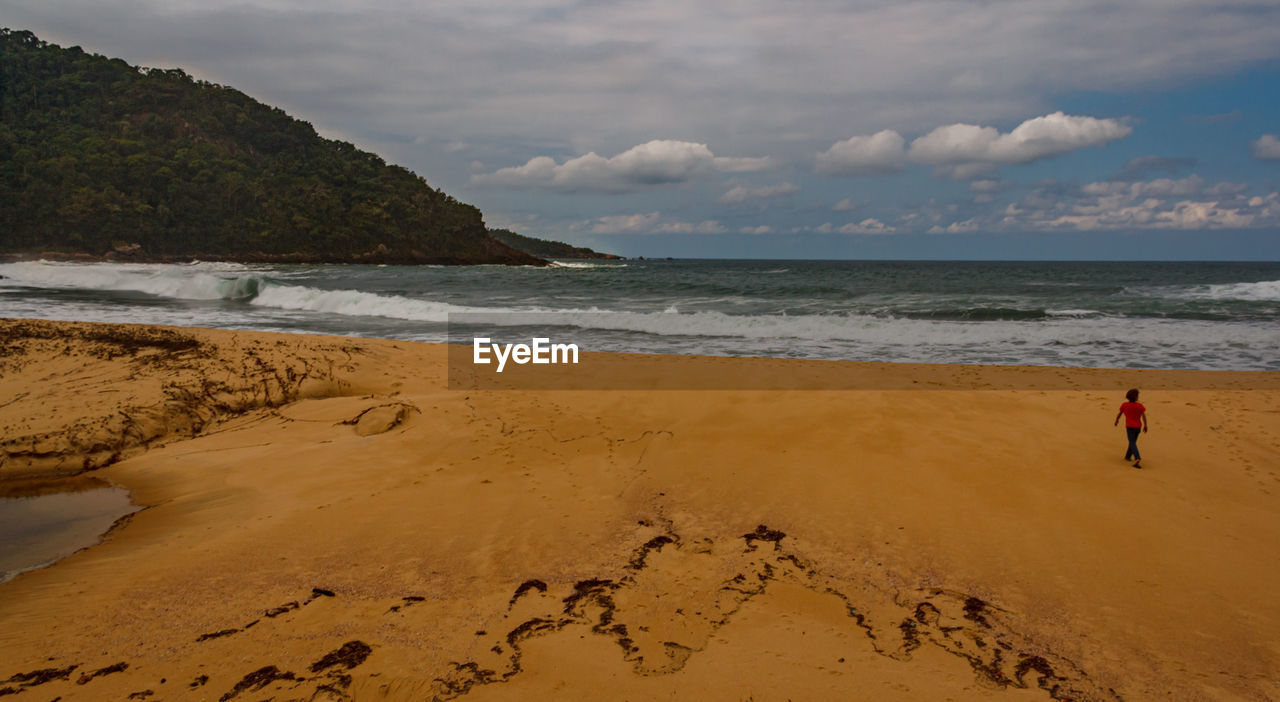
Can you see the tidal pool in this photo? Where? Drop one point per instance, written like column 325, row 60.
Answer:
column 39, row 530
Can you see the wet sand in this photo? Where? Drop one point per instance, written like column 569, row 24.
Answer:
column 328, row 520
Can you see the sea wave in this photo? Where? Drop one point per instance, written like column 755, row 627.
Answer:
column 875, row 331
column 194, row 281
column 584, row 264
column 975, row 314
column 1260, row 291
column 1263, row 291
column 355, row 303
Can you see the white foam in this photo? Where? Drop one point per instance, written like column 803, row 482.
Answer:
column 584, row 264
column 1071, row 313
column 195, row 281
column 869, row 329
column 355, row 303
column 1265, row 290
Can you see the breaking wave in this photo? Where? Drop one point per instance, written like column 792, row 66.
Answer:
column 195, row 281
column 1262, row 291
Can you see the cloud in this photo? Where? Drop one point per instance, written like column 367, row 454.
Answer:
column 1161, row 187
column 968, row 150
column 1164, row 203
column 989, row 185
column 762, row 229
column 748, row 164
column 1143, row 166
column 1267, row 148
column 845, row 205
column 965, row 227
column 709, row 226
column 743, row 193
column 577, row 83
column 985, row 190
column 870, row 225
column 617, row 224
column 878, row 154
column 1156, row 214
column 529, row 77
column 651, row 164
column 652, row 223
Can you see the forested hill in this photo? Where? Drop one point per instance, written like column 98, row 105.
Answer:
column 544, row 248
column 103, row 158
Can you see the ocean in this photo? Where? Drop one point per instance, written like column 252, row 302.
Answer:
column 1223, row 316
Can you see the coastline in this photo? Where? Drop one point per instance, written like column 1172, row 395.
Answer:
column 500, row 254
column 305, row 493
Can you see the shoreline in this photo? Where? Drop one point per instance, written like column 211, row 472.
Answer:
column 733, row 535
column 1171, row 378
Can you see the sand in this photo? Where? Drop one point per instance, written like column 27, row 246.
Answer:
column 325, row 519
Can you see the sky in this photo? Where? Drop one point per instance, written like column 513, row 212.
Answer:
column 959, row 129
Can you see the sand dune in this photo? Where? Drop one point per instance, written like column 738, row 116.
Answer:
column 325, row 519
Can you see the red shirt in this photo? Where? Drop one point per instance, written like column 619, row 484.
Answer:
column 1133, row 413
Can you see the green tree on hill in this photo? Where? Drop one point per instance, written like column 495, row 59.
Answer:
column 97, row 155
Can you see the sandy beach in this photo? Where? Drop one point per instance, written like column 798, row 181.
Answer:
column 325, row 518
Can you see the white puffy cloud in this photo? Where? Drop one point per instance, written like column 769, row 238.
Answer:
column 1267, row 148
column 651, row 223
column 744, row 193
column 845, row 205
column 762, row 229
column 969, row 150
column 879, row 154
column 654, row 163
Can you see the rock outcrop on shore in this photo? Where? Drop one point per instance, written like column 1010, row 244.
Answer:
column 157, row 384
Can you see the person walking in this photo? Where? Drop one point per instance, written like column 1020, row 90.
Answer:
column 1135, row 422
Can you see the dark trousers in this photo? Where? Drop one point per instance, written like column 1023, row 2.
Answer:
column 1133, row 433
